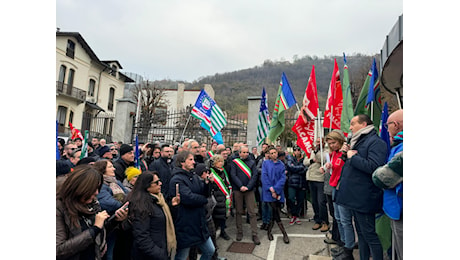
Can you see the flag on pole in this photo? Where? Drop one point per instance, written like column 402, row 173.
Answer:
column 263, row 123
column 284, row 101
column 333, row 111
column 361, row 104
column 304, row 127
column 211, row 116
column 84, row 146
column 75, row 132
column 136, row 154
column 371, row 95
column 347, row 110
column 383, row 129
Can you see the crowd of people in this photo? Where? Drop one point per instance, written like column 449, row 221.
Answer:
column 177, row 198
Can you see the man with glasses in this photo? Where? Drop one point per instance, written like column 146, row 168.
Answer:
column 163, row 166
column 68, row 149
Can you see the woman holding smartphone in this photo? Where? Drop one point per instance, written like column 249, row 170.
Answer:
column 80, row 231
column 152, row 224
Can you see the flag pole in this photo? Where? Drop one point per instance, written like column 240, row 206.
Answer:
column 330, row 118
column 372, row 111
column 185, row 128
column 320, row 134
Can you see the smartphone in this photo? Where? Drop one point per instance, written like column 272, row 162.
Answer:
column 126, row 206
column 177, row 189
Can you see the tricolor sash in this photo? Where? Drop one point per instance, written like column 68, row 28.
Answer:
column 222, row 187
column 243, row 167
column 210, row 154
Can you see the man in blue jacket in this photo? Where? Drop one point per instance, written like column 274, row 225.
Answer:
column 356, row 190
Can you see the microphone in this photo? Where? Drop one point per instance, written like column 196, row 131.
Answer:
column 344, row 155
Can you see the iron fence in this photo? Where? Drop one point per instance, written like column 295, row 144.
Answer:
column 175, row 125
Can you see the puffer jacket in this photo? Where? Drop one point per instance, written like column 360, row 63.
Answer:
column 296, row 172
column 220, row 211
column 190, row 215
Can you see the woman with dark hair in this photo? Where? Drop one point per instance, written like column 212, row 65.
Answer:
column 152, row 224
column 111, row 197
column 80, row 231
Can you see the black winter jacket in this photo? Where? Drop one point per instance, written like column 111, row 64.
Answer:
column 220, row 211
column 149, row 234
column 164, row 172
column 190, row 215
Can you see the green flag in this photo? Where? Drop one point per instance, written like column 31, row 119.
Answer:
column 84, row 146
column 347, row 109
column 284, row 100
column 361, row 107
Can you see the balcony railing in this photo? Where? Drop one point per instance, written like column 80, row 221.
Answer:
column 70, row 91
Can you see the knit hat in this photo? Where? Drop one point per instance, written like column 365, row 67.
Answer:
column 200, row 168
column 125, row 148
column 104, row 149
column 62, row 167
column 86, row 160
column 132, row 172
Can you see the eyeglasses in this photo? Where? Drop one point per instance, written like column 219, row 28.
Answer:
column 156, row 182
column 112, row 149
column 389, row 123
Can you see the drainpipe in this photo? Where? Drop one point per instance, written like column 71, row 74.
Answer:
column 99, row 84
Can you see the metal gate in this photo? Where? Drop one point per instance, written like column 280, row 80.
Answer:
column 176, row 125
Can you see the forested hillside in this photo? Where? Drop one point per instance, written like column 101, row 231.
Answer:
column 233, row 88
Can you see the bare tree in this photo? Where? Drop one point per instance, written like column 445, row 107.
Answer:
column 153, row 106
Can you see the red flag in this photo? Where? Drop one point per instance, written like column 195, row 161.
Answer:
column 304, row 127
column 75, row 132
column 334, row 101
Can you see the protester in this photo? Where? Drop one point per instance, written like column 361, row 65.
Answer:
column 68, row 149
column 222, row 192
column 126, row 159
column 316, row 184
column 111, row 197
column 80, row 230
column 114, row 152
column 297, row 184
column 190, row 215
column 356, row 190
column 343, row 233
column 265, row 209
column 132, row 173
column 153, row 231
column 104, row 153
column 164, row 167
column 62, row 170
column 244, row 178
column 273, row 180
column 392, row 182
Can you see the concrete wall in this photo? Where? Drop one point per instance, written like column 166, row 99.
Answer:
column 253, row 116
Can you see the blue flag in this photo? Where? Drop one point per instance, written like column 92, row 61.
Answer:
column 372, row 89
column 383, row 129
column 136, row 154
column 211, row 116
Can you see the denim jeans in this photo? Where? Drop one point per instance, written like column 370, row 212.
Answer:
column 266, row 210
column 296, row 199
column 368, row 240
column 207, row 250
column 347, row 232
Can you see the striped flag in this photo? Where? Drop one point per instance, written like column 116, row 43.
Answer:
column 84, row 146
column 211, row 116
column 284, row 101
column 347, row 109
column 263, row 124
column 136, row 154
column 371, row 94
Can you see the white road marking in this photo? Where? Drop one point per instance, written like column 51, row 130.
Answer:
column 271, row 250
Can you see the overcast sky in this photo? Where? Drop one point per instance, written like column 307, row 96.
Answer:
column 188, row 39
